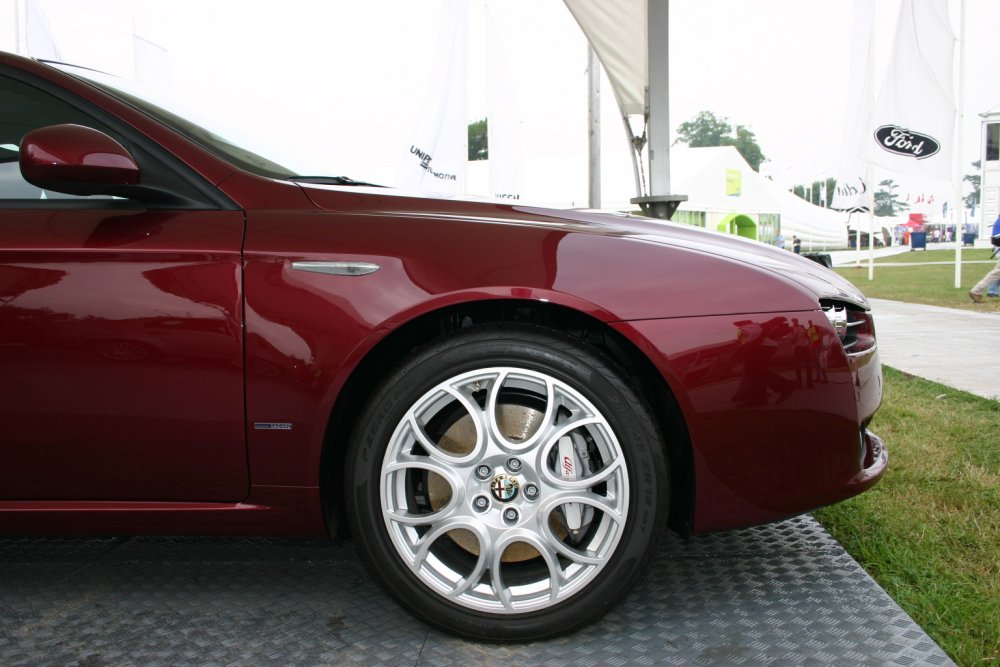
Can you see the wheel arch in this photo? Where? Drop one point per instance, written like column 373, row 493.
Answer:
column 399, row 343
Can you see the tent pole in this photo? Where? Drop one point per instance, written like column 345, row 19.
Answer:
column 593, row 127
column 660, row 203
column 634, row 152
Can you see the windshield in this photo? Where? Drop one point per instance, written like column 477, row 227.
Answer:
column 207, row 132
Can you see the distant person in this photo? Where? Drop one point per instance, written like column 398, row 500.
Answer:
column 796, row 245
column 992, row 279
column 780, row 242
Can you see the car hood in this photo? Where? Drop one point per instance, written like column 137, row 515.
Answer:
column 815, row 278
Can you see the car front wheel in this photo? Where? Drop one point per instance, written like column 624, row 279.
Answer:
column 507, row 484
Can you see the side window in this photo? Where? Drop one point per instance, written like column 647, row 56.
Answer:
column 992, row 142
column 24, row 108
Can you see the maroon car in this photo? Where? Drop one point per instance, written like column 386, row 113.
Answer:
column 506, row 406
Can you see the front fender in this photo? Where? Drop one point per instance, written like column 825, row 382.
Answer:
column 306, row 331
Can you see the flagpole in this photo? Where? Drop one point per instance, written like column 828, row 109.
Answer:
column 857, row 240
column 959, row 213
column 869, row 169
column 20, row 33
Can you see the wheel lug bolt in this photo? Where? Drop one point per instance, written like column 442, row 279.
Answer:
column 481, row 503
column 531, row 492
column 483, row 472
column 510, row 515
column 514, row 465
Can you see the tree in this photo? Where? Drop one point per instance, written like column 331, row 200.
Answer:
column 808, row 192
column 707, row 129
column 814, row 193
column 887, row 201
column 746, row 144
column 479, row 147
column 704, row 130
column 831, row 189
column 972, row 199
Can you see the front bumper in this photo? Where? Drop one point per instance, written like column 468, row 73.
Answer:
column 876, row 460
column 773, row 421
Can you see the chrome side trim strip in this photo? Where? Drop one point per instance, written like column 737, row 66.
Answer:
column 337, row 268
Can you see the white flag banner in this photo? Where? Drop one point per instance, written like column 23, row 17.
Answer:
column 504, row 121
column 438, row 149
column 38, row 33
column 851, row 192
column 912, row 126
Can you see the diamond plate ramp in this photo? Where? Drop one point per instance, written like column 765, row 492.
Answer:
column 784, row 594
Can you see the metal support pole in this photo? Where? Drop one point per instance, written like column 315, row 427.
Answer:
column 635, row 154
column 20, row 28
column 658, row 21
column 660, row 203
column 857, row 244
column 594, row 127
column 869, row 167
column 959, row 214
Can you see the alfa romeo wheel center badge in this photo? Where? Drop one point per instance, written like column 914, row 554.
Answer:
column 504, row 487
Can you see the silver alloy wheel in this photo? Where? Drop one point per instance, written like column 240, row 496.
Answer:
column 509, row 436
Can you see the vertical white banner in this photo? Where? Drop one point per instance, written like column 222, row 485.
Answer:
column 38, row 33
column 912, row 126
column 438, row 149
column 504, row 120
column 851, row 192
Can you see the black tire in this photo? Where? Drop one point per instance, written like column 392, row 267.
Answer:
column 627, row 511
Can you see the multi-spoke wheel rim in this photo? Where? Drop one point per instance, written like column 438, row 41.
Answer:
column 504, row 490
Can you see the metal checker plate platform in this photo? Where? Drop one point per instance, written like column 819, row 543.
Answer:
column 784, row 594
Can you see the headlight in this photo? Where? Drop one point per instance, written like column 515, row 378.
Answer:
column 854, row 327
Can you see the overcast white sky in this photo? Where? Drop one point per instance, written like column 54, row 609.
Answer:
column 345, row 80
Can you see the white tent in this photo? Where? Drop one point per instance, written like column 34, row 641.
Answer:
column 724, row 194
column 719, row 183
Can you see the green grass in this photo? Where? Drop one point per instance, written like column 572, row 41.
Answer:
column 931, row 284
column 929, row 532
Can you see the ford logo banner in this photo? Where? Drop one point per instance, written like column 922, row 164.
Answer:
column 905, row 142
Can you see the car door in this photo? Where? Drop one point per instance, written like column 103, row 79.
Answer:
column 121, row 348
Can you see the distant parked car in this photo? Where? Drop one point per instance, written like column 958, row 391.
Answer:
column 505, row 405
